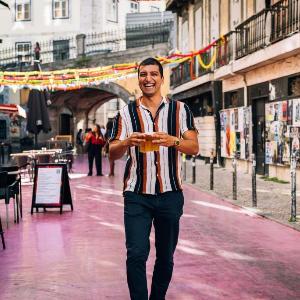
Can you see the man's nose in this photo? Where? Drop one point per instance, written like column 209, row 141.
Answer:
column 148, row 77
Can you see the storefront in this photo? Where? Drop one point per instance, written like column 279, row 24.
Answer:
column 268, row 126
column 282, row 123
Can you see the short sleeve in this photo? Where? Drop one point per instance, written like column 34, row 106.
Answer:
column 119, row 131
column 187, row 119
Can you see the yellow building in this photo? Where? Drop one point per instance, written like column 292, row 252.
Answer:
column 257, row 70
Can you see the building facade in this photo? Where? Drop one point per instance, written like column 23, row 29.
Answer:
column 31, row 21
column 257, row 64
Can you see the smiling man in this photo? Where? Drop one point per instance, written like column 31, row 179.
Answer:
column 152, row 179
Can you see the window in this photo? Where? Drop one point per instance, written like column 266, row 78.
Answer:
column 294, row 86
column 112, row 10
column 60, row 9
column 234, row 98
column 61, row 50
column 23, row 12
column 134, row 7
column 23, row 51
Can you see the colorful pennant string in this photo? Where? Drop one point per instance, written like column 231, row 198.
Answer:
column 71, row 79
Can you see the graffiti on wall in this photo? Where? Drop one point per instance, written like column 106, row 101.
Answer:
column 235, row 132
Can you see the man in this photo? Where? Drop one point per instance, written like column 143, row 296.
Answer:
column 152, row 180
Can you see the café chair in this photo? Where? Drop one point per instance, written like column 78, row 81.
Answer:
column 10, row 190
column 24, row 165
column 2, row 234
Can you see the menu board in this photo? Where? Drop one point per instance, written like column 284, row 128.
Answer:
column 48, row 185
column 51, row 187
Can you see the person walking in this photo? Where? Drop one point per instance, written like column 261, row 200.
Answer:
column 37, row 57
column 152, row 180
column 95, row 141
column 79, row 141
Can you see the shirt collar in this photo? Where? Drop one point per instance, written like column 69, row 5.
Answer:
column 164, row 100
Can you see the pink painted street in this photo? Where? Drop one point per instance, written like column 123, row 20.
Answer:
column 224, row 252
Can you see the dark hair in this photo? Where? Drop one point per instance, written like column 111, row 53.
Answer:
column 150, row 61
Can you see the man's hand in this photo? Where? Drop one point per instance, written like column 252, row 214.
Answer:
column 118, row 148
column 163, row 139
column 135, row 139
column 188, row 144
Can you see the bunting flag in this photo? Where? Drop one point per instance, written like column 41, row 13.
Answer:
column 70, row 79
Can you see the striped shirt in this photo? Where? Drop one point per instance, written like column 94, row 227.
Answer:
column 158, row 171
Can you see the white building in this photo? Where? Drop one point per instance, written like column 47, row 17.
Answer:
column 29, row 21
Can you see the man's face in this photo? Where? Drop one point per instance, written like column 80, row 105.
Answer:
column 150, row 80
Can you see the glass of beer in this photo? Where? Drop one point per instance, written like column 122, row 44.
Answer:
column 148, row 146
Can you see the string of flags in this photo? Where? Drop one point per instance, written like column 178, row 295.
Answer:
column 69, row 79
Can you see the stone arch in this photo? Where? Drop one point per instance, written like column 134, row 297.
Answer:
column 83, row 101
column 117, row 90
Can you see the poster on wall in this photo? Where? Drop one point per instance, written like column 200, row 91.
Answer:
column 279, row 118
column 296, row 112
column 294, row 135
column 235, row 132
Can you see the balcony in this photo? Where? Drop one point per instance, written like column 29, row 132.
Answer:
column 266, row 28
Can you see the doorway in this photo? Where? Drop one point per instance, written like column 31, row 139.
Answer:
column 65, row 124
column 258, row 118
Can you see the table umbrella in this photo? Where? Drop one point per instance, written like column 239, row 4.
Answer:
column 37, row 116
column 14, row 109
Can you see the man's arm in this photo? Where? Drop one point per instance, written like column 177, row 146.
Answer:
column 188, row 144
column 118, row 148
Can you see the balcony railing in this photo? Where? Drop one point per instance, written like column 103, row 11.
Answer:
column 93, row 43
column 285, row 16
column 225, row 49
column 251, row 34
column 259, row 31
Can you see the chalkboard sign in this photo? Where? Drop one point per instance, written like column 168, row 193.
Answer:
column 51, row 187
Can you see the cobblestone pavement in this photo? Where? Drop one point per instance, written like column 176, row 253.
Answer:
column 273, row 199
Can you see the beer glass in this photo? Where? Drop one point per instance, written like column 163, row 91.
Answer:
column 148, row 146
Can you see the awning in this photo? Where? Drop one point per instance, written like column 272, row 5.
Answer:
column 13, row 109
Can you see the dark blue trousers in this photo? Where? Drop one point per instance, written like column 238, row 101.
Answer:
column 164, row 211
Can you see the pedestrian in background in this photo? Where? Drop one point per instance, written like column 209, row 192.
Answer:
column 95, row 141
column 79, row 141
column 37, row 57
column 152, row 185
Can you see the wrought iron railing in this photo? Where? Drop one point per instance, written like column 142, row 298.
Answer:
column 50, row 51
column 93, row 43
column 225, row 49
column 251, row 34
column 285, row 16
